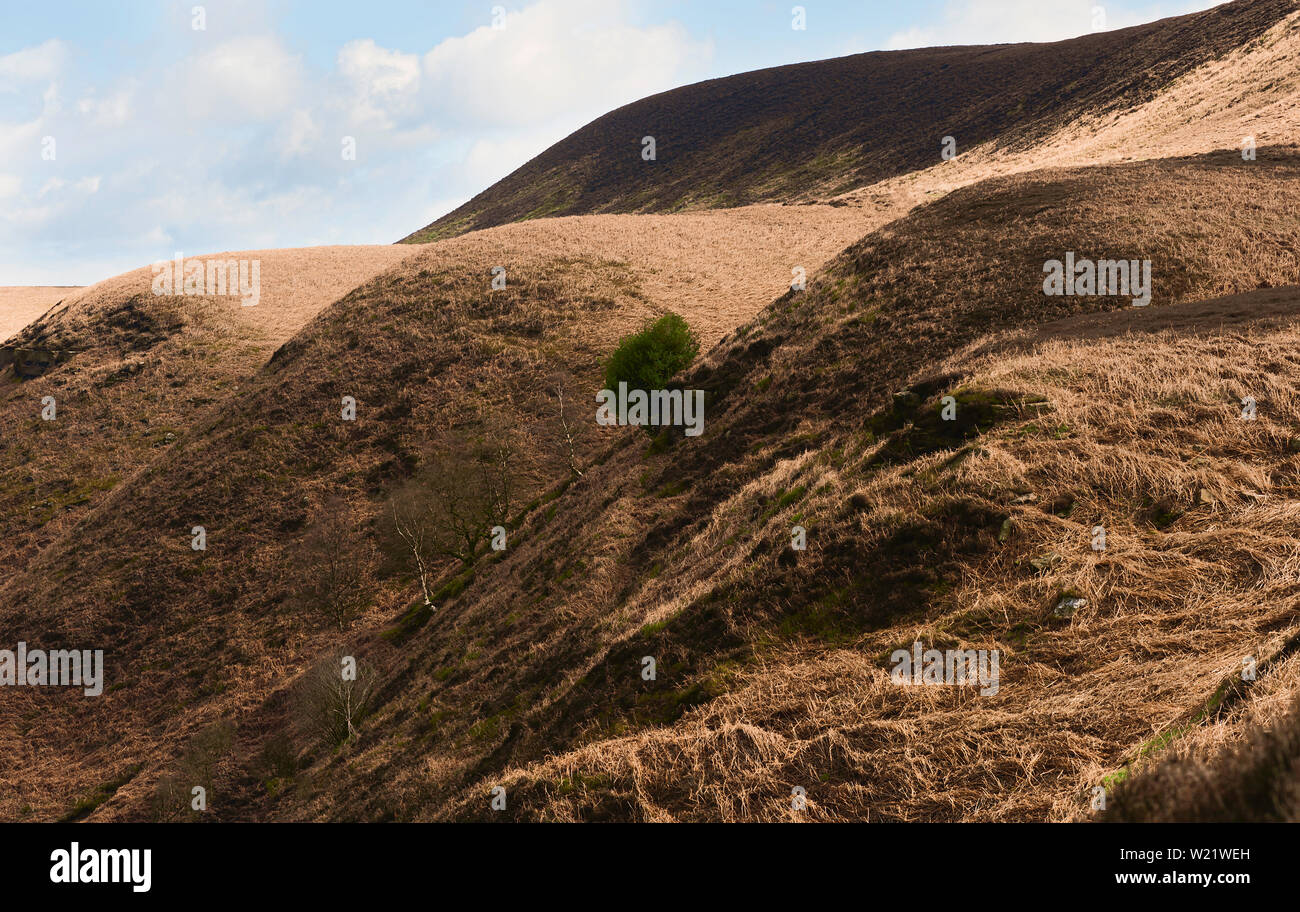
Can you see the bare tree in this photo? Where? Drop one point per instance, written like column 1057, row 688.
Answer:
column 171, row 798
column 415, row 522
column 449, row 509
column 472, row 488
column 338, row 561
column 334, row 697
column 568, row 435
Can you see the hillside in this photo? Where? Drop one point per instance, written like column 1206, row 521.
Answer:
column 814, row 131
column 21, row 305
column 770, row 661
column 199, row 407
column 147, row 369
column 524, row 667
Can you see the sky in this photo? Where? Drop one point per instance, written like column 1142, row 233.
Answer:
column 135, row 129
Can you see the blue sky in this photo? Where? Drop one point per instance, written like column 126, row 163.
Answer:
column 127, row 133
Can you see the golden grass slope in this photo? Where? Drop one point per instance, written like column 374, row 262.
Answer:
column 716, row 268
column 1253, row 91
column 771, row 667
column 177, row 412
column 772, row 663
column 1142, row 419
column 148, row 367
column 20, row 305
column 151, row 366
column 297, row 284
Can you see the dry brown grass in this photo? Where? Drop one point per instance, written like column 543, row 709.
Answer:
column 1134, row 416
column 717, row 268
column 20, row 305
column 297, row 284
column 1252, row 91
column 431, row 327
column 771, row 665
column 680, row 556
column 167, row 359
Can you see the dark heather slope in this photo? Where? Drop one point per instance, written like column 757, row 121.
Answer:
column 815, row 130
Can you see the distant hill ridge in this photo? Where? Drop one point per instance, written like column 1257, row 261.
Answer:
column 816, row 130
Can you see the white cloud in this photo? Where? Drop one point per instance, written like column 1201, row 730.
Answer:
column 113, row 111
column 382, row 82
column 556, row 57
column 86, row 186
column 299, row 135
column 20, row 143
column 230, row 139
column 52, row 102
column 157, row 236
column 1009, row 21
column 35, row 64
column 243, row 79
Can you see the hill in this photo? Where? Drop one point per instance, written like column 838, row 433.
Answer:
column 21, row 305
column 523, row 667
column 771, row 662
column 815, row 131
column 196, row 410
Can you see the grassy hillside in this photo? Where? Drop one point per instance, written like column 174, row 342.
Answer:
column 148, row 369
column 180, row 412
column 823, row 411
column 817, row 130
column 20, row 306
column 771, row 662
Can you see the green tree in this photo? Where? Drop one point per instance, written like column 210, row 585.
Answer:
column 647, row 360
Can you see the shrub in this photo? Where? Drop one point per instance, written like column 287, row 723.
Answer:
column 279, row 759
column 197, row 766
column 336, row 561
column 647, row 360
